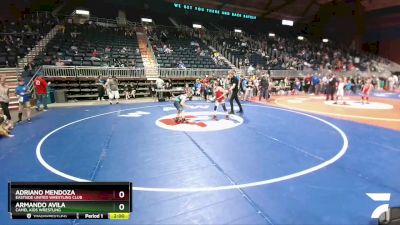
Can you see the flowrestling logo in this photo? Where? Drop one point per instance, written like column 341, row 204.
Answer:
column 200, row 122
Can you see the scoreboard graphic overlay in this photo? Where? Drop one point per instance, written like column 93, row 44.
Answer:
column 68, row 200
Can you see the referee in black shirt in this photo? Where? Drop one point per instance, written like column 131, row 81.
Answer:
column 234, row 89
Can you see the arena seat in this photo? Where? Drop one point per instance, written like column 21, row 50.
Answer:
column 124, row 50
column 85, row 88
column 184, row 50
column 18, row 37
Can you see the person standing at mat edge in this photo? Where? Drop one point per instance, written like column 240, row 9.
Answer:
column 23, row 95
column 112, row 86
column 41, row 91
column 4, row 97
column 100, row 88
column 264, row 85
column 234, row 89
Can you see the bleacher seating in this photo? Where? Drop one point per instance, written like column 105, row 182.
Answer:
column 280, row 53
column 18, row 37
column 78, row 88
column 188, row 51
column 78, row 51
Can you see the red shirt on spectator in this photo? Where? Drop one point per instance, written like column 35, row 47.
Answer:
column 95, row 53
column 41, row 86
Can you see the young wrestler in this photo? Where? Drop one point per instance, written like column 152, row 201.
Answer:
column 366, row 89
column 219, row 100
column 24, row 98
column 340, row 91
column 179, row 104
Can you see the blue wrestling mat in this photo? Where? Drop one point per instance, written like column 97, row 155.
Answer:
column 267, row 166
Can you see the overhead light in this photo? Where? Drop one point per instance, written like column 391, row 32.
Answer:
column 198, row 26
column 287, row 22
column 147, row 20
column 300, row 37
column 271, row 35
column 325, row 40
column 82, row 12
column 238, row 31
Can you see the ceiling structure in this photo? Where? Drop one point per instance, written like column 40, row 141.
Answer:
column 297, row 10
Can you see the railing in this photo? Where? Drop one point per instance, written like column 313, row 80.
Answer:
column 11, row 69
column 89, row 71
column 107, row 22
column 30, row 83
column 287, row 73
column 190, row 72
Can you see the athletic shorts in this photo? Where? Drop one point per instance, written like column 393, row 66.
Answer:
column 23, row 105
column 218, row 103
column 113, row 94
column 340, row 93
column 178, row 106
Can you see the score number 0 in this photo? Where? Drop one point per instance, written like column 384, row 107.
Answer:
column 121, row 206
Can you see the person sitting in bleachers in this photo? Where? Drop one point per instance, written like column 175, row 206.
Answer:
column 74, row 49
column 95, row 56
column 28, row 68
column 194, row 43
column 181, row 65
column 127, row 90
column 167, row 50
column 59, row 62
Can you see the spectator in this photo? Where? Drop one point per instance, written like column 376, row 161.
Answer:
column 41, row 91
column 28, row 68
column 24, row 98
column 74, row 49
column 243, row 87
column 95, row 55
column 59, row 62
column 5, row 127
column 297, row 86
column 181, row 65
column 167, row 50
column 316, row 84
column 4, row 97
column 133, row 92
column 128, row 90
column 112, row 87
column 264, row 85
column 100, row 88
column 249, row 91
column 189, row 92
